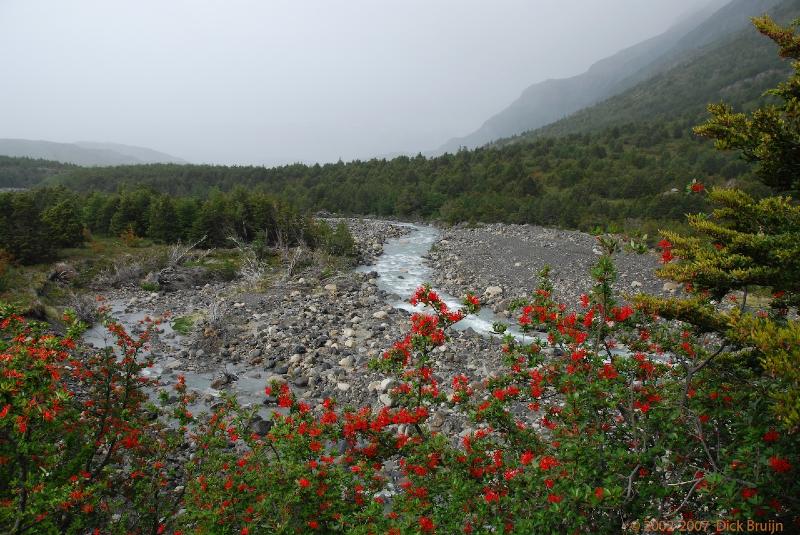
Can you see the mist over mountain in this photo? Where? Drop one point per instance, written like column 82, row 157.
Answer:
column 737, row 67
column 551, row 100
column 85, row 153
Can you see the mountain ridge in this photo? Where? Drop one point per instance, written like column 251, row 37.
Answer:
column 683, row 91
column 552, row 100
column 86, row 153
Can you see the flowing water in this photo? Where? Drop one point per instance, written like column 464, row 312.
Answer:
column 401, row 270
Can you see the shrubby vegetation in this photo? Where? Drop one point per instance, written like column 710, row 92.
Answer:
column 568, row 438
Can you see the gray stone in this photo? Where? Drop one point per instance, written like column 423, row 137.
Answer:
column 259, row 426
column 301, row 381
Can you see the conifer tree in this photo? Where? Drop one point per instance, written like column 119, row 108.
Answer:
column 746, row 244
column 164, row 225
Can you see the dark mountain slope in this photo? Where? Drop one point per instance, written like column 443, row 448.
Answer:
column 551, row 100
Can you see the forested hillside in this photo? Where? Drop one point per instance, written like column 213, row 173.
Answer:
column 27, row 172
column 580, row 181
column 552, row 100
column 738, row 69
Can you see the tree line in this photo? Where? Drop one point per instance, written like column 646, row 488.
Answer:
column 624, row 175
column 36, row 224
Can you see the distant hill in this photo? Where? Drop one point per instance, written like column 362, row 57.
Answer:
column 84, row 153
column 143, row 154
column 551, row 100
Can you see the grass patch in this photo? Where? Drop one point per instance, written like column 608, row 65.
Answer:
column 27, row 286
column 149, row 286
column 183, row 325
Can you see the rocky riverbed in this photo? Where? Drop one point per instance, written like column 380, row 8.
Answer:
column 315, row 334
column 317, row 331
column 501, row 262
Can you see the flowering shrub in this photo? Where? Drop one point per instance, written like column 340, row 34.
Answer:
column 605, row 415
column 575, row 436
column 79, row 449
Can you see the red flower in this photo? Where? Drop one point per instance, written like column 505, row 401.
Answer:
column 748, row 492
column 4, row 412
column 22, row 424
column 599, row 492
column 547, row 462
column 697, row 187
column 426, row 524
column 780, row 465
column 303, row 482
column 771, row 436
column 621, row 314
column 553, row 498
column 526, row 458
column 329, row 417
column 313, row 524
column 608, row 372
column 490, row 496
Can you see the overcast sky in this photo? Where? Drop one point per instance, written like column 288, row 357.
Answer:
column 274, row 81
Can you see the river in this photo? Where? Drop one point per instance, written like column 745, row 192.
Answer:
column 401, row 269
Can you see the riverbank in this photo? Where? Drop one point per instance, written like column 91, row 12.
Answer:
column 501, row 262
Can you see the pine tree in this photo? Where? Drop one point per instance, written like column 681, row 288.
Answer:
column 64, row 223
column 164, row 226
column 747, row 244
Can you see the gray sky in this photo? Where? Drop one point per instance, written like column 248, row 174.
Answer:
column 279, row 81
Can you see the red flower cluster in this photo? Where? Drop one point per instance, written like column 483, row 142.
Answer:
column 666, row 251
column 779, row 464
